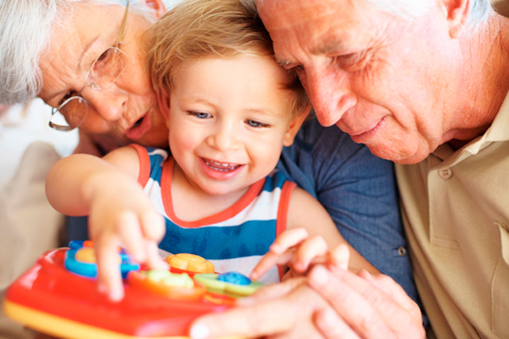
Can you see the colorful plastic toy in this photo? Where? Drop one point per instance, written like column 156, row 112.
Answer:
column 190, row 262
column 232, row 284
column 64, row 302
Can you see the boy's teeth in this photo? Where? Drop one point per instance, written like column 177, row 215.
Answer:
column 220, row 165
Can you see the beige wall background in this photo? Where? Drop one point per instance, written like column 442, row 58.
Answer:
column 502, row 6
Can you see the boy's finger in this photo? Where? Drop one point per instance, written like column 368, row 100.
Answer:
column 154, row 260
column 152, row 224
column 311, row 248
column 339, row 257
column 131, row 236
column 268, row 261
column 288, row 239
column 108, row 269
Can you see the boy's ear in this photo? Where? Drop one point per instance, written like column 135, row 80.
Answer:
column 163, row 100
column 157, row 5
column 294, row 126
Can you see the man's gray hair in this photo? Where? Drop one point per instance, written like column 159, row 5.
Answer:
column 408, row 9
column 26, row 28
column 479, row 9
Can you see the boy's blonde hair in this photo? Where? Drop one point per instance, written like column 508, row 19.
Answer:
column 197, row 29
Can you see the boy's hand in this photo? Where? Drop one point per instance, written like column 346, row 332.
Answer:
column 125, row 217
column 296, row 249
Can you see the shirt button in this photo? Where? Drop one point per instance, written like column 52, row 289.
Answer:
column 445, row 173
column 402, row 251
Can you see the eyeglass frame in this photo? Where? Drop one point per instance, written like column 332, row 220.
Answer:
column 54, row 110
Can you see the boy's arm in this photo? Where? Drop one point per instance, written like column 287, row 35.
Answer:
column 306, row 212
column 74, row 179
column 119, row 212
column 310, row 237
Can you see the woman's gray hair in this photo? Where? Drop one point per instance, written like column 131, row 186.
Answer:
column 26, row 28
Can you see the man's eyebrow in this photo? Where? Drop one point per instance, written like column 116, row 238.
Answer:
column 329, row 47
column 326, row 48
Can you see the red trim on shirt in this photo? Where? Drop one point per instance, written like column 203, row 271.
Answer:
column 236, row 208
column 144, row 164
column 284, row 203
column 282, row 214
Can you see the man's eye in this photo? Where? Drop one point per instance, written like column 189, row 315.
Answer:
column 256, row 124
column 297, row 68
column 200, row 115
column 352, row 62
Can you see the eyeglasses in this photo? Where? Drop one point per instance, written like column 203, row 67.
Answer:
column 104, row 71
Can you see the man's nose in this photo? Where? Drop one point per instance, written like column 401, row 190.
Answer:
column 330, row 94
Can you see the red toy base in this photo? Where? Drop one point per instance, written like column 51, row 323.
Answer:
column 53, row 300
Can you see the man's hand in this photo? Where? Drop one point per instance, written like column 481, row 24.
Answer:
column 370, row 306
column 285, row 310
column 332, row 303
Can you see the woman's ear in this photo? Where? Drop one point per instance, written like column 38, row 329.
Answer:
column 294, row 126
column 163, row 100
column 157, row 5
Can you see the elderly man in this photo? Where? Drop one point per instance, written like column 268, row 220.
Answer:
column 422, row 83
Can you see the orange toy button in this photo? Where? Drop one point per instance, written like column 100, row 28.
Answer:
column 85, row 254
column 190, row 262
column 171, row 285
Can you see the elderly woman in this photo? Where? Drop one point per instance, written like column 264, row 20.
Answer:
column 86, row 59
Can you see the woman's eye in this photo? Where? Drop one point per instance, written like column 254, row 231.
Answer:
column 105, row 63
column 257, row 124
column 200, row 115
column 69, row 94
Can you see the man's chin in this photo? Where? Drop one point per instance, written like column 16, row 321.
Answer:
column 399, row 156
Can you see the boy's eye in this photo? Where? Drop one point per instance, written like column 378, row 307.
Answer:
column 257, row 124
column 200, row 115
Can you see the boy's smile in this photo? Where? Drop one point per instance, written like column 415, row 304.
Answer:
column 219, row 170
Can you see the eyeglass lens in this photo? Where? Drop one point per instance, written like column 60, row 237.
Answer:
column 105, row 70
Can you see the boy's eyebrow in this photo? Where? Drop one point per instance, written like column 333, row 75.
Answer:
column 264, row 111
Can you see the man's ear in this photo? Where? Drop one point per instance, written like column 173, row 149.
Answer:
column 157, row 5
column 163, row 100
column 294, row 126
column 456, row 12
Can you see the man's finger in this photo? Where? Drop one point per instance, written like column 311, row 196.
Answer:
column 354, row 299
column 332, row 326
column 272, row 291
column 254, row 321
